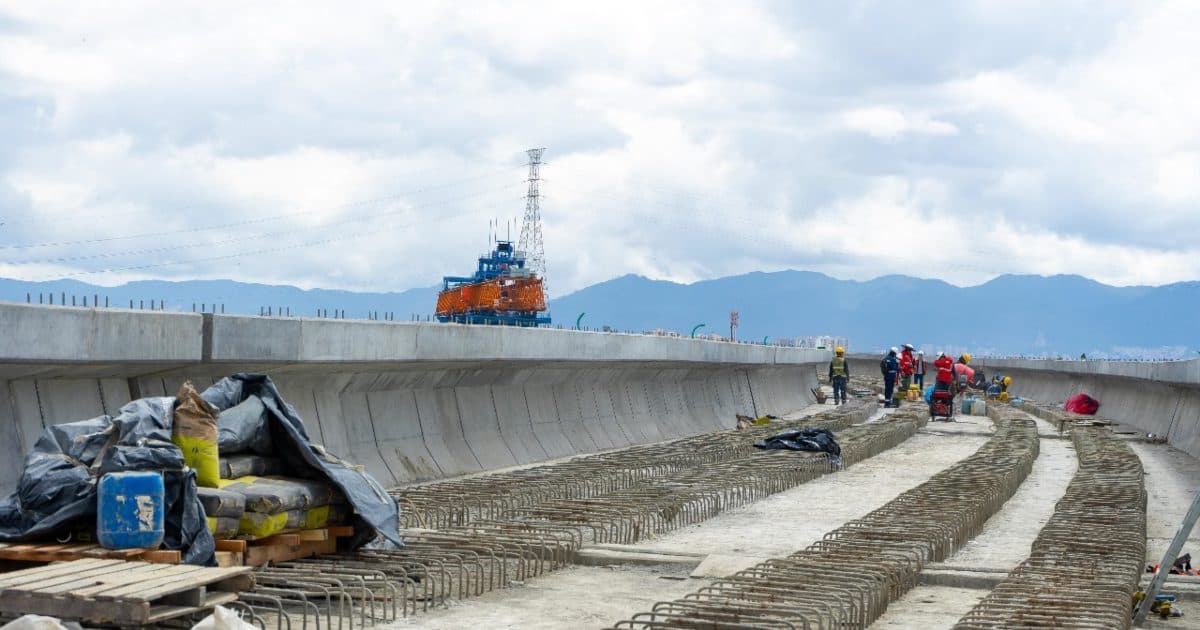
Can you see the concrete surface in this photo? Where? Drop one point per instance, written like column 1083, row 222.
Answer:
column 1007, row 536
column 930, row 607
column 953, row 587
column 791, row 520
column 409, row 401
column 1172, row 479
column 592, row 597
column 576, row 597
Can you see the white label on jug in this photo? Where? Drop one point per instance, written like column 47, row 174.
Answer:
column 145, row 512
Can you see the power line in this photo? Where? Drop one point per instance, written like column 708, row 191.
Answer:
column 209, row 228
column 159, row 250
column 292, row 246
column 75, row 217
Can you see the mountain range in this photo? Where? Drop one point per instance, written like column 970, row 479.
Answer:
column 1011, row 314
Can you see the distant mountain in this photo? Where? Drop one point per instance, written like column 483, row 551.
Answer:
column 236, row 297
column 1012, row 314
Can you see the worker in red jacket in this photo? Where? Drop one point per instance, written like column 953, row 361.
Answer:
column 908, row 364
column 945, row 372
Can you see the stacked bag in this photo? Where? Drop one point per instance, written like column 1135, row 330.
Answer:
column 243, row 486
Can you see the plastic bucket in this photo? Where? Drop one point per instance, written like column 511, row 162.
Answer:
column 129, row 510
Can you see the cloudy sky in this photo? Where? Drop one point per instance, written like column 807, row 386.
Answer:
column 367, row 146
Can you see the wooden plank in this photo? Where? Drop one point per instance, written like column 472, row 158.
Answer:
column 229, row 559
column 341, row 531
column 162, row 556
column 126, row 573
column 158, row 614
column 314, row 535
column 235, row 584
column 101, row 552
column 144, row 574
column 176, row 583
column 320, row 547
column 290, row 540
column 191, row 597
column 238, row 546
column 258, row 556
column 179, row 577
column 72, row 569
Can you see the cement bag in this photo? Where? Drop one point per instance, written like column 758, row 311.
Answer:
column 37, row 622
column 234, row 466
column 221, row 503
column 257, row 525
column 223, row 619
column 271, row 495
column 194, row 431
column 224, row 526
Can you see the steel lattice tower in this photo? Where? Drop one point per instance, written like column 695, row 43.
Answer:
column 531, row 227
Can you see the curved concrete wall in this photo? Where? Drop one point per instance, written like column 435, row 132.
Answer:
column 409, row 401
column 1156, row 397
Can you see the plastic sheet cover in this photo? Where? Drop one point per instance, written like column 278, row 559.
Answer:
column 57, row 488
column 58, row 484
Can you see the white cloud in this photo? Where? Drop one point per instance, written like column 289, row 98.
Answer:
column 369, row 145
column 888, row 123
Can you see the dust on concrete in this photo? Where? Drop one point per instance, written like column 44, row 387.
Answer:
column 930, row 607
column 789, row 521
column 1003, row 543
column 1007, row 537
column 1172, row 478
column 575, row 597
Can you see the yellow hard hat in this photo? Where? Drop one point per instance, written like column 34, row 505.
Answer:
column 966, row 357
column 839, row 350
column 1007, row 381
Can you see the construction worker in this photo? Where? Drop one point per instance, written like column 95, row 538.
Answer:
column 963, row 373
column 944, row 380
column 891, row 370
column 919, row 370
column 839, row 374
column 908, row 365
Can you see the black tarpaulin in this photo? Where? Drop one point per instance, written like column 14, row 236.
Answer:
column 815, row 440
column 57, row 488
column 375, row 511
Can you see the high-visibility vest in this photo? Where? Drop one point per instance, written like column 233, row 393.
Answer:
column 839, row 366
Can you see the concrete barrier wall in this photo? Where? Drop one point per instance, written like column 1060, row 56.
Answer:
column 409, row 401
column 1156, row 397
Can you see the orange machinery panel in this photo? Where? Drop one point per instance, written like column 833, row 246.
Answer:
column 498, row 294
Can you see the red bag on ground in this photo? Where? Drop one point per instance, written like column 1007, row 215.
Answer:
column 1082, row 404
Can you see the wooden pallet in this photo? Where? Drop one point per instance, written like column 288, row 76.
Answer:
column 37, row 552
column 282, row 547
column 117, row 592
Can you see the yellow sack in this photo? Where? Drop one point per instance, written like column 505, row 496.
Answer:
column 258, row 525
column 223, row 527
column 195, row 433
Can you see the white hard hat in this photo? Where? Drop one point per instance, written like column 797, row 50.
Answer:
column 909, row 346
column 941, row 354
column 894, row 349
column 921, row 352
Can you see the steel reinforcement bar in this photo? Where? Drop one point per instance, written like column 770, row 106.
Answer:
column 487, row 497
column 696, row 493
column 848, row 579
column 494, row 530
column 1085, row 564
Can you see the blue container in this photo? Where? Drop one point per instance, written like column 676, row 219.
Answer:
column 130, row 510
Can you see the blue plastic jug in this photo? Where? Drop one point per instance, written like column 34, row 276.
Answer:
column 130, row 510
